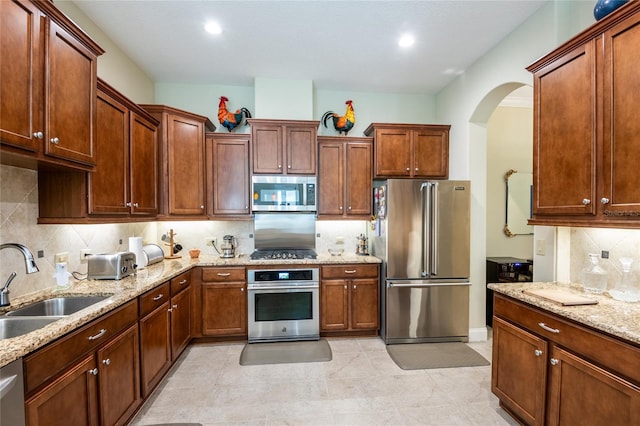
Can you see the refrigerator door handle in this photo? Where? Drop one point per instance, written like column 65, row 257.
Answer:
column 401, row 284
column 434, row 228
column 425, row 190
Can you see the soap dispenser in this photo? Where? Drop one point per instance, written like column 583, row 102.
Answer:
column 594, row 277
column 627, row 289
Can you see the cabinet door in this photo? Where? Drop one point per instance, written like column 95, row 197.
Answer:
column 301, row 146
column 119, row 378
column 267, row 150
column 393, row 153
column 21, row 77
column 581, row 393
column 334, row 304
column 564, row 157
column 109, row 184
column 330, row 178
column 224, row 309
column 186, row 166
column 69, row 401
column 518, row 375
column 228, row 159
column 155, row 347
column 431, row 153
column 71, row 97
column 364, row 304
column 143, row 166
column 180, row 322
column 621, row 127
column 358, row 179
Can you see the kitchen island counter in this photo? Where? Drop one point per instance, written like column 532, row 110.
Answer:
column 618, row 319
column 126, row 289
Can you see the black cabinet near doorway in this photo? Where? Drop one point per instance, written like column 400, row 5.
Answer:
column 503, row 270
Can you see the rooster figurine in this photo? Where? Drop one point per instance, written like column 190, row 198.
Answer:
column 230, row 120
column 342, row 123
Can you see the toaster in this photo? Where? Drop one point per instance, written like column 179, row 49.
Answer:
column 111, row 266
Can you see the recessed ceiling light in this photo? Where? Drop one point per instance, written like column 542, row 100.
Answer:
column 406, row 40
column 213, row 28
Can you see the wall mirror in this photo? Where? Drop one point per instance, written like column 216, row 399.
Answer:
column 518, row 203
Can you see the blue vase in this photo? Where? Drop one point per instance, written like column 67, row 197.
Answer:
column 605, row 7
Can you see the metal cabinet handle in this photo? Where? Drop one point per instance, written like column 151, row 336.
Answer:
column 586, row 201
column 183, row 282
column 350, row 271
column 554, row 361
column 55, row 141
column 38, row 135
column 537, row 352
column 224, row 274
column 93, row 372
column 546, row 327
column 604, row 200
column 99, row 335
column 106, row 361
column 158, row 297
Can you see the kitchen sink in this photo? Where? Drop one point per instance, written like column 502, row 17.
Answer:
column 58, row 306
column 17, row 326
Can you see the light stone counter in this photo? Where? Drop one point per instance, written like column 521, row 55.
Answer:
column 620, row 319
column 126, row 289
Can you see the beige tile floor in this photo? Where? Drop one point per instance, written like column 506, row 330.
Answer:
column 361, row 385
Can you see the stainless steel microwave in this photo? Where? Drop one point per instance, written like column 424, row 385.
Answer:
column 283, row 193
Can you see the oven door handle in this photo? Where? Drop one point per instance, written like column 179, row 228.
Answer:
column 283, row 287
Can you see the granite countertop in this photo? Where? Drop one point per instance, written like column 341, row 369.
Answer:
column 616, row 318
column 122, row 291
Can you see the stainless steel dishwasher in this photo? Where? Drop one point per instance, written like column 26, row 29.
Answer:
column 12, row 394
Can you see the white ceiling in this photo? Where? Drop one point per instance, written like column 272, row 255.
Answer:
column 339, row 45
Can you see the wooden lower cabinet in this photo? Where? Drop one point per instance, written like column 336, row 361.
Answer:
column 180, row 314
column 349, row 298
column 224, row 302
column 102, row 388
column 563, row 374
column 155, row 337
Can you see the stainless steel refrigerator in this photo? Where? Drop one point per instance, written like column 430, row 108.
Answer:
column 421, row 232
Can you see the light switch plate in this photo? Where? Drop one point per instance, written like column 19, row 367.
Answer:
column 540, row 247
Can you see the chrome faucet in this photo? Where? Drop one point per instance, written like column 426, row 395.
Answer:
column 30, row 265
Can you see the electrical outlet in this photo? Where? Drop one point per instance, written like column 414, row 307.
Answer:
column 84, row 255
column 339, row 240
column 211, row 241
column 61, row 257
column 540, row 247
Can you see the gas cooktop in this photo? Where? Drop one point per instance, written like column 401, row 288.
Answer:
column 283, row 254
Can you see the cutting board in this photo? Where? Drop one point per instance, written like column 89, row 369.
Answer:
column 561, row 296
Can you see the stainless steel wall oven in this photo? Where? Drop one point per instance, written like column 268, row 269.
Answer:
column 283, row 304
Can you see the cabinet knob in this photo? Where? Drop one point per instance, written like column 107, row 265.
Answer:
column 128, row 204
column 345, row 287
column 586, row 201
column 340, row 207
column 93, row 372
column 201, row 207
column 106, row 361
column 604, row 200
column 408, row 169
column 554, row 361
column 289, row 166
column 537, row 352
column 349, row 207
column 135, row 204
column 174, row 306
column 279, row 166
column 246, row 207
column 38, row 135
column 354, row 286
column 55, row 141
column 242, row 289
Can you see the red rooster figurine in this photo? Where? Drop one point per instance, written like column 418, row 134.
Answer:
column 342, row 123
column 231, row 120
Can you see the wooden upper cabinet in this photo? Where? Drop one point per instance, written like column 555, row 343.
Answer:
column 125, row 180
column 410, row 150
column 283, row 147
column 50, row 82
column 344, row 177
column 181, row 159
column 227, row 164
column 585, row 127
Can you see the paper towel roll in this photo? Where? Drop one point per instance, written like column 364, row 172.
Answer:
column 135, row 246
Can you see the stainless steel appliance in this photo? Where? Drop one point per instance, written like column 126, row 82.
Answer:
column 283, row 193
column 422, row 236
column 12, row 394
column 228, row 246
column 111, row 266
column 283, row 304
column 284, row 236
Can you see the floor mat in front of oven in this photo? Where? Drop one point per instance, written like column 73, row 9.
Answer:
column 285, row 352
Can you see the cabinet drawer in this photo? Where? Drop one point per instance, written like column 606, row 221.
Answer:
column 154, row 298
column 180, row 282
column 47, row 362
column 350, row 271
column 223, row 274
column 605, row 351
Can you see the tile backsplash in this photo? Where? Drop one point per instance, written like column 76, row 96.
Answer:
column 18, row 224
